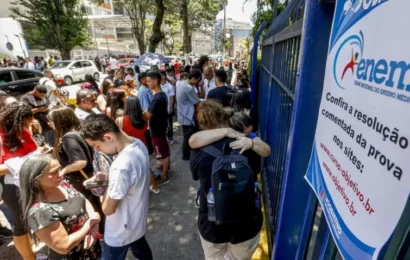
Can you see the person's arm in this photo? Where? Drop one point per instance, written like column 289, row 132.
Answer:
column 101, row 104
column 92, row 236
column 193, row 97
column 206, row 137
column 58, row 96
column 4, row 170
column 119, row 185
column 36, row 125
column 39, row 110
column 76, row 155
column 260, row 147
column 56, row 237
column 108, row 112
column 172, row 97
column 256, row 144
column 151, row 109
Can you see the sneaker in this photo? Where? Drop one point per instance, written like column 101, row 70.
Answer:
column 171, row 142
column 161, row 181
column 153, row 190
column 5, row 233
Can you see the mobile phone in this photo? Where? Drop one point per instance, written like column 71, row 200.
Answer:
column 96, row 184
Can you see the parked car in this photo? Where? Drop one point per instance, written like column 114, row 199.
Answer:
column 125, row 62
column 74, row 70
column 18, row 82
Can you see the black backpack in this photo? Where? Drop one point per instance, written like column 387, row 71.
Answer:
column 233, row 186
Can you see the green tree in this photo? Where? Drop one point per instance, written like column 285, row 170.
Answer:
column 264, row 12
column 172, row 28
column 53, row 24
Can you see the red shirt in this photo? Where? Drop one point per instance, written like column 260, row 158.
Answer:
column 28, row 146
column 130, row 130
column 177, row 66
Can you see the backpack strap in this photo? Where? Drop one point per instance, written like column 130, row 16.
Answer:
column 212, row 150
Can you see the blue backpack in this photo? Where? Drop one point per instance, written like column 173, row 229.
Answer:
column 233, row 186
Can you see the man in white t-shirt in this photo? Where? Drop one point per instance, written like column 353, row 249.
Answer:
column 209, row 80
column 113, row 63
column 29, row 64
column 168, row 89
column 52, row 93
column 125, row 202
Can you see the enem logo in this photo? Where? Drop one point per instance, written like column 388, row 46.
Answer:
column 347, row 58
column 350, row 65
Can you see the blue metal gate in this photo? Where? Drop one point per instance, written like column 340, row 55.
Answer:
column 294, row 52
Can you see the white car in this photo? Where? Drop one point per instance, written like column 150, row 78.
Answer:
column 74, row 70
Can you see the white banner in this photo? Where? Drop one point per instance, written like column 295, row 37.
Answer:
column 360, row 166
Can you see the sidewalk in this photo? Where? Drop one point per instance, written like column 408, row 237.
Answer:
column 172, row 220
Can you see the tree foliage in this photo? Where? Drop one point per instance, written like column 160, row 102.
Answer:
column 172, row 28
column 264, row 12
column 53, row 24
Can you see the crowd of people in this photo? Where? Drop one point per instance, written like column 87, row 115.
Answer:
column 50, row 152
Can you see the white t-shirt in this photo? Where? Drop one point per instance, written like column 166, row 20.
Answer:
column 135, row 77
column 51, row 86
column 113, row 63
column 81, row 114
column 209, row 85
column 29, row 65
column 129, row 183
column 169, row 90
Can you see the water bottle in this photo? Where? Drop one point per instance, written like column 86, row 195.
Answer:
column 257, row 198
column 211, row 205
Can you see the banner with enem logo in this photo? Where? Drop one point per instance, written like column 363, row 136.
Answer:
column 360, row 168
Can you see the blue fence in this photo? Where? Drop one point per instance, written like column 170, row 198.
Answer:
column 294, row 52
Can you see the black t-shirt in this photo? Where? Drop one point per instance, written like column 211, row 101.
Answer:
column 201, row 169
column 222, row 95
column 159, row 110
column 35, row 102
column 74, row 148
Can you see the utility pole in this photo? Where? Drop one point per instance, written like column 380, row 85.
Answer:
column 224, row 33
column 187, row 48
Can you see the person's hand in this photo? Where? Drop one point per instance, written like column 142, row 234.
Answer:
column 233, row 134
column 242, row 143
column 63, row 172
column 43, row 109
column 46, row 149
column 89, row 241
column 92, row 237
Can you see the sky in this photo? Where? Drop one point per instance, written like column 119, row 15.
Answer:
column 234, row 10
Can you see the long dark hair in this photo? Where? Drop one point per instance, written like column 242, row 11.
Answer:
column 241, row 100
column 64, row 121
column 12, row 123
column 134, row 111
column 30, row 171
column 105, row 86
column 115, row 101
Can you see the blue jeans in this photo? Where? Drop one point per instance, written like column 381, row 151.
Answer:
column 139, row 248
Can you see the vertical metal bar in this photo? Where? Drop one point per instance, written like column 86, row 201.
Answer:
column 328, row 248
column 292, row 222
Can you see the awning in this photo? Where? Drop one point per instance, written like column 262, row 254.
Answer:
column 102, row 21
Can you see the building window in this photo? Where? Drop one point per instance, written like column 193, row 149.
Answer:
column 89, row 10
